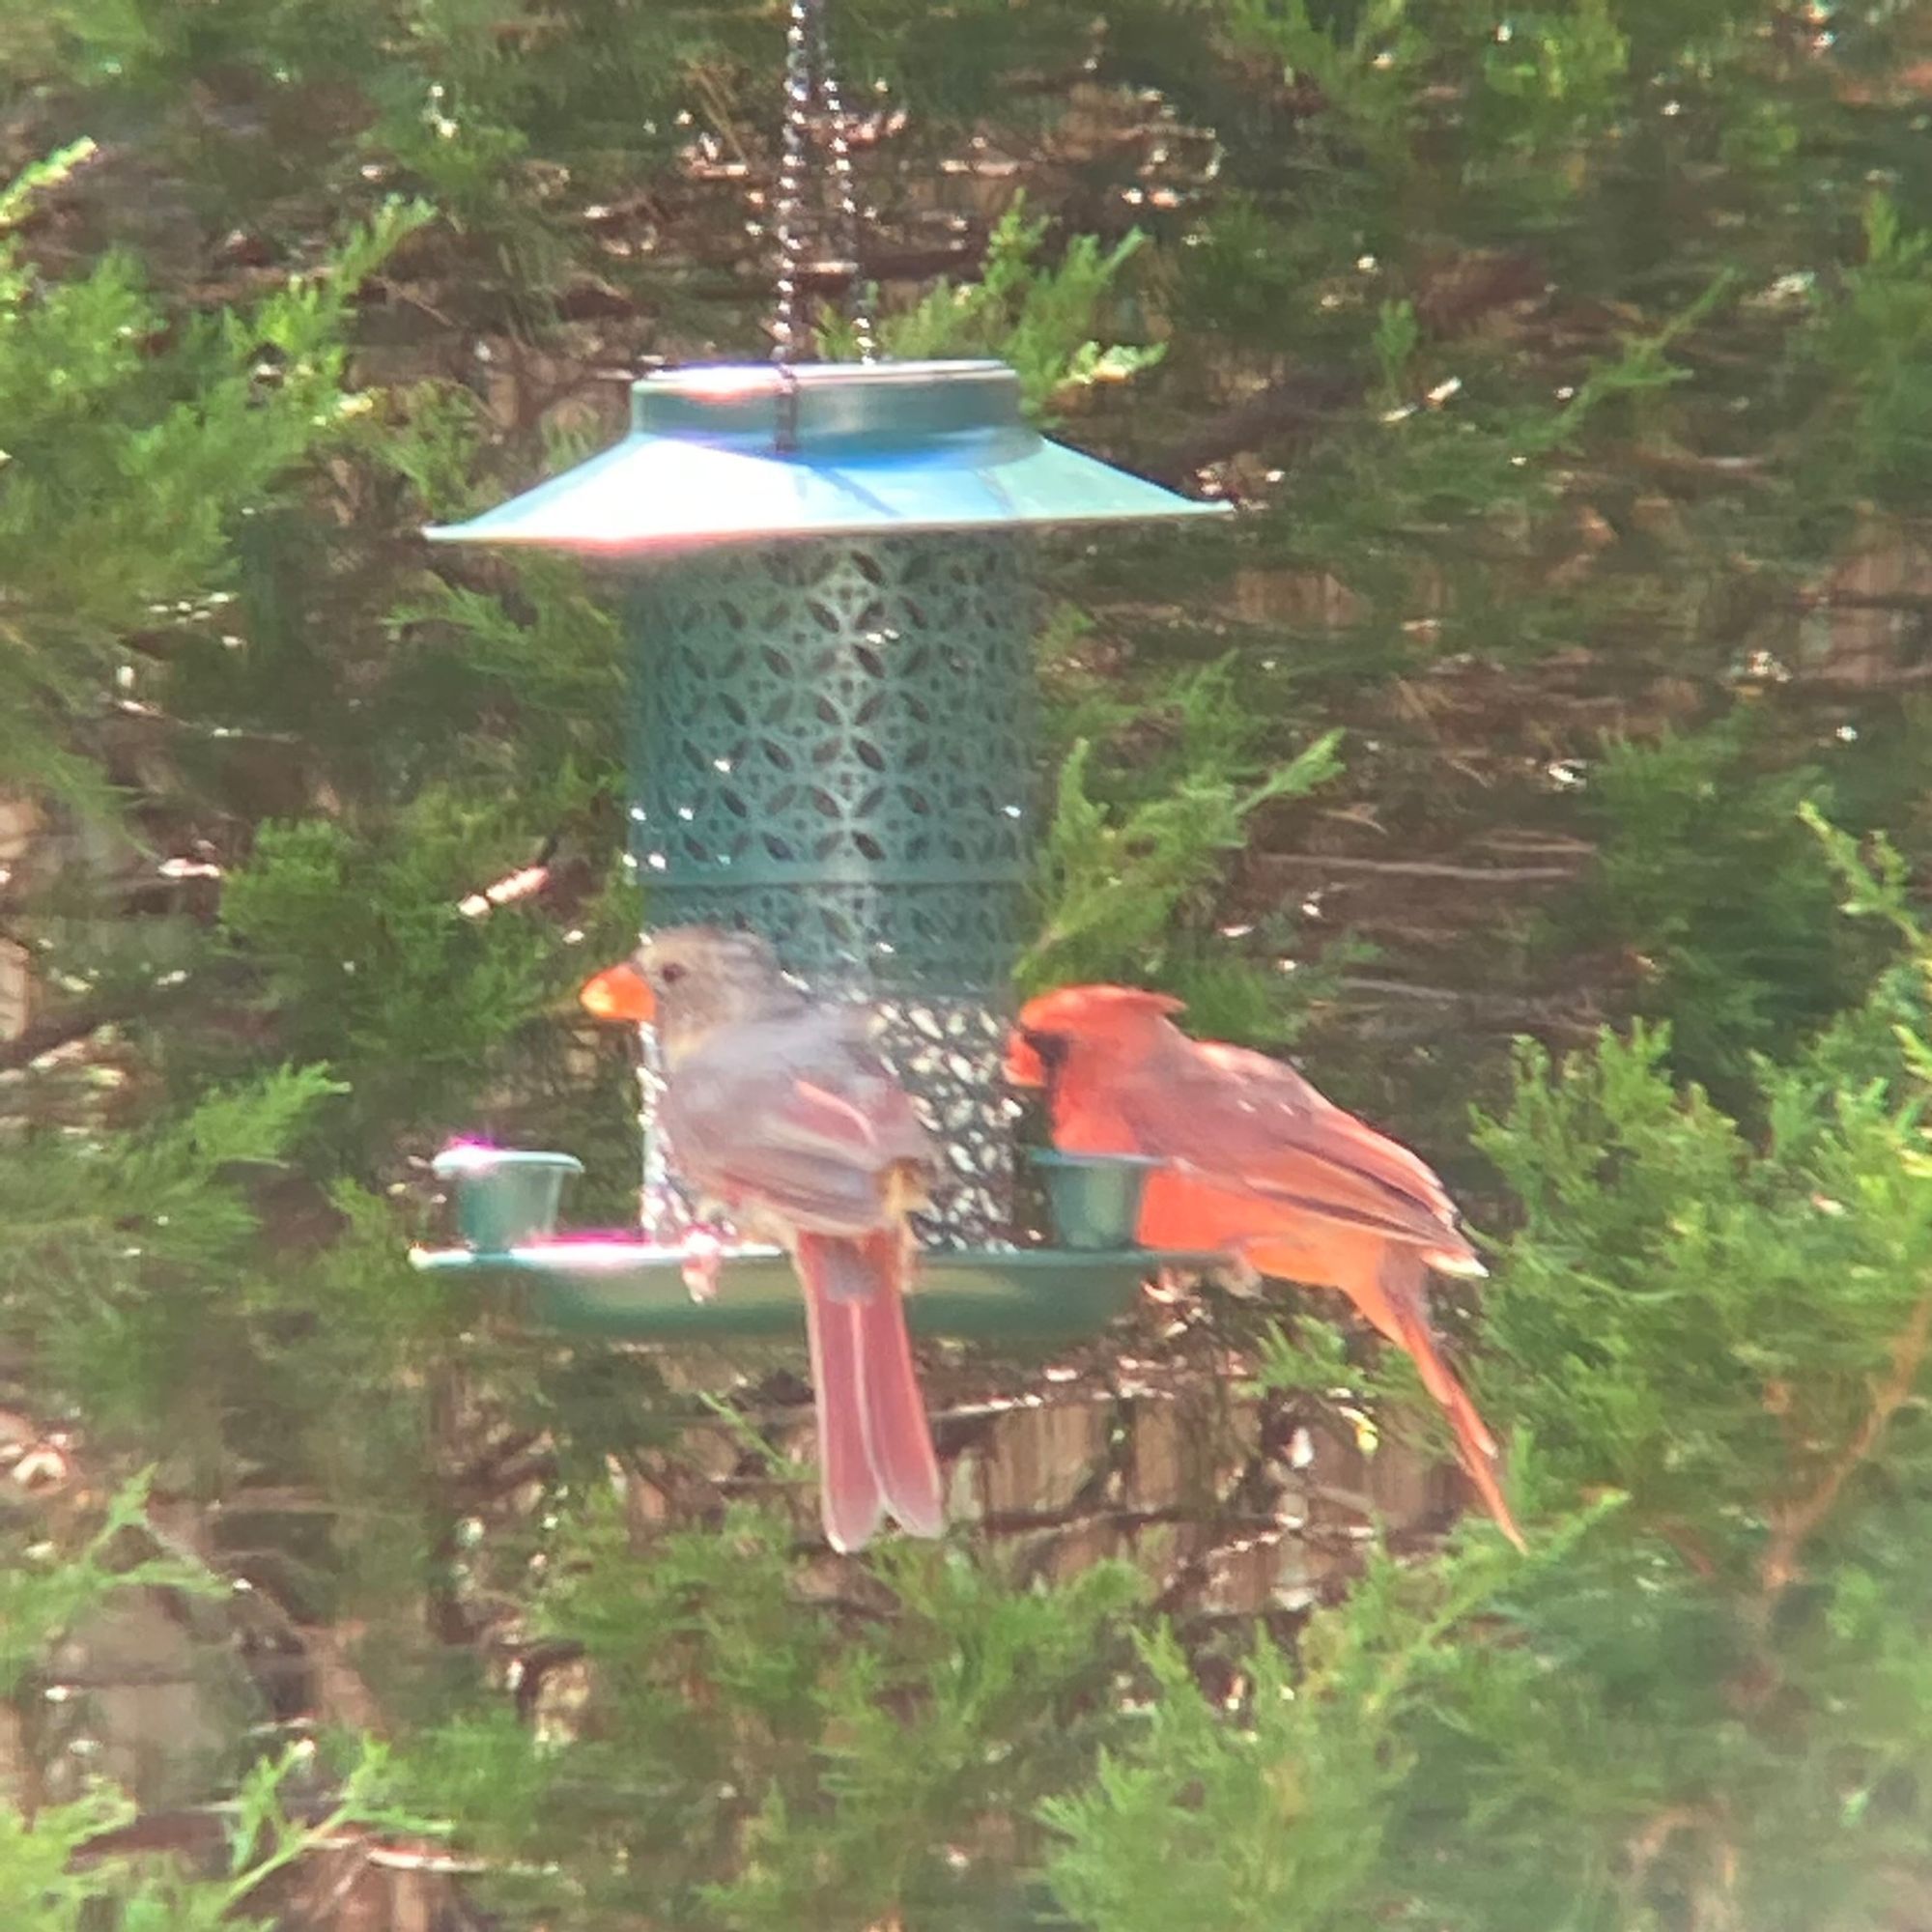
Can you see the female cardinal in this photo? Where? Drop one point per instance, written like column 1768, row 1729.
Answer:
column 778, row 1107
column 1260, row 1165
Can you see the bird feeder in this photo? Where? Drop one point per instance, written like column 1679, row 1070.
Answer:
column 830, row 618
column 830, row 613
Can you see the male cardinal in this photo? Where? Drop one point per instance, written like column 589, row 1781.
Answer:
column 778, row 1107
column 1260, row 1165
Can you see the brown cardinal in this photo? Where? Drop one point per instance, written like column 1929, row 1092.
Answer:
column 1260, row 1165
column 777, row 1107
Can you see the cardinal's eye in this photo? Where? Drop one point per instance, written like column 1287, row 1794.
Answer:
column 670, row 975
column 1049, row 1047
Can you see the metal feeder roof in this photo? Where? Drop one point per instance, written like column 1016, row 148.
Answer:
column 747, row 453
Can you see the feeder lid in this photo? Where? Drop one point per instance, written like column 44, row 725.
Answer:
column 746, row 453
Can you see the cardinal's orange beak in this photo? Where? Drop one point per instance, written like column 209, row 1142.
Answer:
column 620, row 993
column 1024, row 1067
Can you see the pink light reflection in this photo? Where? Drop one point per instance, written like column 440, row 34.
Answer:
column 616, row 1251
column 469, row 1155
column 728, row 384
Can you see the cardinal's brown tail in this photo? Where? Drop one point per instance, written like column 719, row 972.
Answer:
column 898, row 1436
column 850, row 1502
column 874, row 1442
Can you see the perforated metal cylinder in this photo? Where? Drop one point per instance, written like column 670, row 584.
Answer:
column 834, row 745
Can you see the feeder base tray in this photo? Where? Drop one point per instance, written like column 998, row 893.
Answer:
column 630, row 1290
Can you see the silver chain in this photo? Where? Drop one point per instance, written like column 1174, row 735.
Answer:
column 791, row 180
column 842, row 185
column 808, row 75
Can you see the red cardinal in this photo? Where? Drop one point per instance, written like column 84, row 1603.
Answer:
column 1260, row 1165
column 778, row 1108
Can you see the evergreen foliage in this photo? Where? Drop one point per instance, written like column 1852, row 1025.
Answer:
column 1551, row 709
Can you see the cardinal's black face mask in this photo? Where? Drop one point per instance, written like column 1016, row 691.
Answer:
column 1050, row 1050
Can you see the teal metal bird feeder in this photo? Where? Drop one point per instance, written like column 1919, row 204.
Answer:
column 830, row 619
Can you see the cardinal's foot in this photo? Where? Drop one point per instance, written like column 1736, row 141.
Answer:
column 704, row 1261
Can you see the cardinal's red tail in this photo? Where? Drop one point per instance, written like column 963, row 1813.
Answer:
column 875, row 1443
column 1403, row 1282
